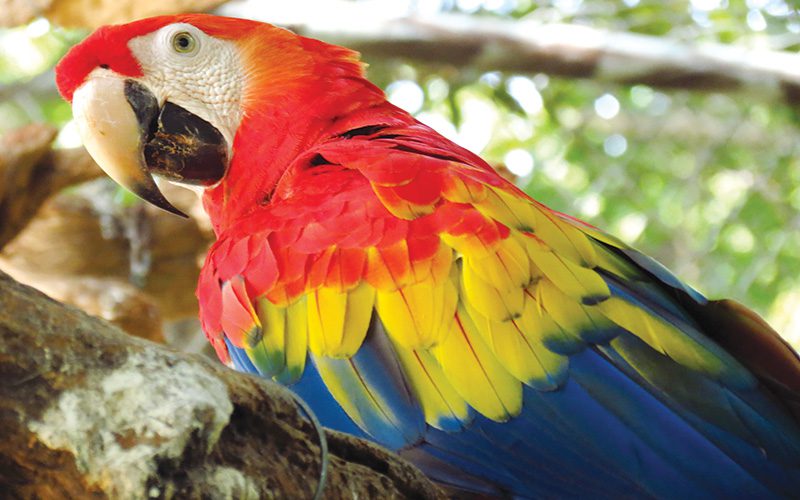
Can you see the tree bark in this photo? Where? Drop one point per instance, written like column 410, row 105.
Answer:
column 78, row 246
column 159, row 252
column 30, row 172
column 89, row 412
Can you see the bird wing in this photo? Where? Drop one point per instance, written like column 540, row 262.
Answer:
column 398, row 280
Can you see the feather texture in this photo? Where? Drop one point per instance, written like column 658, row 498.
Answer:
column 512, row 338
column 415, row 297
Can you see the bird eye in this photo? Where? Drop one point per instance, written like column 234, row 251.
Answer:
column 183, row 42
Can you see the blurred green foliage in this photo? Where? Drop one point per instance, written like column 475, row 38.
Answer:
column 707, row 183
column 26, row 95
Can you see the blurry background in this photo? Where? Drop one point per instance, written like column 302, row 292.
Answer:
column 673, row 125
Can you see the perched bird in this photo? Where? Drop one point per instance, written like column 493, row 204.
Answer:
column 415, row 297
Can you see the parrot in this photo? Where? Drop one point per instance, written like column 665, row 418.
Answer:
column 413, row 296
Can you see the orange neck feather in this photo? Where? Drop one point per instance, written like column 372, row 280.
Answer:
column 296, row 89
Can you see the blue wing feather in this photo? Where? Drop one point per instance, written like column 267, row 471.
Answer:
column 602, row 433
column 375, row 386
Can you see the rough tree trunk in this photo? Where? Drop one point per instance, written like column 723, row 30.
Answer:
column 89, row 412
column 164, row 252
column 31, row 172
column 44, row 238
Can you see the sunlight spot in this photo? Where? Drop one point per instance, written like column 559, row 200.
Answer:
column 22, row 52
column 568, row 7
column 641, row 95
column 541, row 80
column 439, row 123
column 606, row 106
column 468, row 6
column 590, row 205
column 778, row 9
column 549, row 147
column 406, row 94
column 501, row 7
column 730, row 186
column 556, row 169
column 520, row 127
column 524, row 91
column 479, row 118
column 519, row 162
column 37, row 28
column 437, row 89
column 706, row 4
column 491, row 79
column 615, row 145
column 569, row 117
column 783, row 316
column 68, row 136
column 756, row 20
column 631, row 226
column 741, row 239
column 418, row 7
column 758, row 4
column 660, row 104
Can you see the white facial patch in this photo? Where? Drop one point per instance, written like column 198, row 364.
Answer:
column 197, row 72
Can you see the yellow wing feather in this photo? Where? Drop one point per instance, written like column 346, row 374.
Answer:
column 417, row 316
column 282, row 350
column 521, row 350
column 442, row 406
column 490, row 310
column 476, row 373
column 338, row 321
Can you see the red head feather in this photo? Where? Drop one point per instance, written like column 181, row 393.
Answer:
column 273, row 55
column 295, row 88
column 107, row 47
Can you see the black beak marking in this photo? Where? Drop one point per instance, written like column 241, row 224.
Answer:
column 143, row 103
column 176, row 144
column 145, row 107
column 186, row 148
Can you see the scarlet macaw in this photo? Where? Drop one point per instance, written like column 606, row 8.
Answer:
column 415, row 297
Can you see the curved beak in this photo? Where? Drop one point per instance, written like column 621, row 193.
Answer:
column 132, row 138
column 113, row 117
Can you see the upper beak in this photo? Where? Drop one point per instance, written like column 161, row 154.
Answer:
column 113, row 117
column 131, row 138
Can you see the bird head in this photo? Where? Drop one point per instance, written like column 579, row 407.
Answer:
column 169, row 96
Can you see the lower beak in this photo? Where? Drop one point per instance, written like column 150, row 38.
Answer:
column 127, row 134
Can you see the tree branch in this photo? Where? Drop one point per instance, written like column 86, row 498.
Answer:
column 158, row 251
column 31, row 219
column 573, row 51
column 94, row 13
column 489, row 44
column 31, row 172
column 89, row 412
